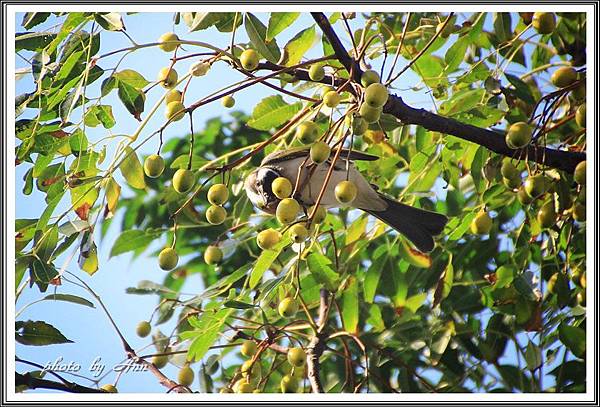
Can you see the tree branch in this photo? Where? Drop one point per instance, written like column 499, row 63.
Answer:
column 36, row 383
column 316, row 346
column 492, row 140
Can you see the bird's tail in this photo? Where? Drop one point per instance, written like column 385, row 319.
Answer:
column 418, row 225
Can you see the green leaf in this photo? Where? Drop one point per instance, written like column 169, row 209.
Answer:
column 462, row 101
column 533, row 356
column 279, row 22
column 350, row 305
column 272, row 112
column 319, row 266
column 375, row 318
column 505, row 276
column 456, row 54
column 444, row 283
column 73, row 226
column 222, row 21
column 522, row 90
column 256, row 31
column 238, row 304
column 299, row 45
column 69, row 298
column 441, row 340
column 110, row 21
column 131, row 240
column 356, row 230
column 30, row 20
column 33, row 41
column 573, row 337
column 42, row 273
column 38, row 333
column 264, row 261
column 131, row 78
column 208, row 327
column 46, row 244
column 132, row 169
column 371, row 280
column 182, row 162
column 100, row 114
column 132, row 98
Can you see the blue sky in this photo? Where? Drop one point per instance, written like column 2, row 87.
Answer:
column 89, row 328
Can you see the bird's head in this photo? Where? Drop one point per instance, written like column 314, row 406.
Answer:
column 259, row 191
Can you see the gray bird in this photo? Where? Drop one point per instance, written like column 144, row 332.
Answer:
column 418, row 225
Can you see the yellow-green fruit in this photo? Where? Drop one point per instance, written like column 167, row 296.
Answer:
column 320, row 214
column 249, row 348
column 518, row 135
column 173, row 95
column 242, row 386
column 576, row 274
column 345, row 192
column 578, row 212
column 251, row 369
column 167, row 77
column 579, row 174
column 481, row 224
column 183, row 180
column 563, row 77
column 109, row 388
column 160, row 361
column 268, row 238
column 175, row 111
column 307, row 132
column 217, row 194
column 154, row 165
column 199, row 68
column 316, row 72
column 249, row 60
column 216, row 214
column 289, row 384
column 369, row 77
column 281, row 187
column 319, row 152
column 298, row 233
column 359, row 126
column 288, row 307
column 225, row 390
column 213, row 255
column 228, row 101
column 376, row 95
column 287, row 210
column 185, row 377
column 580, row 116
column 370, row 114
column 331, row 99
column 523, row 197
column 296, row 357
column 544, row 23
column 168, row 259
column 536, row 185
column 508, row 170
column 547, row 215
column 167, row 43
column 143, row 329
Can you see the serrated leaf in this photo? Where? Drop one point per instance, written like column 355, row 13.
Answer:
column 132, row 98
column 110, row 21
column 132, row 78
column 131, row 240
column 299, row 45
column 279, row 22
column 132, row 169
column 182, row 162
column 30, row 20
column 320, row 268
column 257, row 31
column 208, row 327
column 456, row 54
column 38, row 333
column 33, row 41
column 69, row 298
column 350, row 305
column 264, row 261
column 272, row 112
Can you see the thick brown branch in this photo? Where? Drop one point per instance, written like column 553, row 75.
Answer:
column 338, row 48
column 316, row 346
column 37, row 383
column 492, row 140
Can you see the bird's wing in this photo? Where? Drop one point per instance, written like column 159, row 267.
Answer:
column 299, row 152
